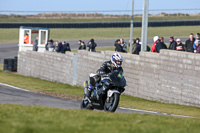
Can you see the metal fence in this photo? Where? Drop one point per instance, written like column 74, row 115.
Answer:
column 101, row 14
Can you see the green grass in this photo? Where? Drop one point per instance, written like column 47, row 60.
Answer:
column 98, row 19
column 12, row 35
column 36, row 84
column 37, row 119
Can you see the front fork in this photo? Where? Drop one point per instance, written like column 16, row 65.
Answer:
column 109, row 95
column 85, row 84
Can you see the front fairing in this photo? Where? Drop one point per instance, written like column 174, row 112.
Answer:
column 118, row 78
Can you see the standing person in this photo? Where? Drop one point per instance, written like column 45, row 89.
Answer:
column 66, row 47
column 50, row 46
column 172, row 44
column 124, row 45
column 197, row 43
column 160, row 45
column 197, row 38
column 155, row 40
column 92, row 45
column 26, row 39
column 138, row 46
column 59, row 47
column 180, row 46
column 189, row 43
column 117, row 47
column 134, row 46
column 162, row 41
column 35, row 44
column 82, row 45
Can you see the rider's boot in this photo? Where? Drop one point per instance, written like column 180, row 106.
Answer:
column 90, row 88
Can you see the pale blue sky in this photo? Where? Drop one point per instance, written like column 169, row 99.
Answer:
column 92, row 5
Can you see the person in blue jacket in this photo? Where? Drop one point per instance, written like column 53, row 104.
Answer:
column 59, row 47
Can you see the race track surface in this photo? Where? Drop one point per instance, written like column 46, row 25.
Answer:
column 14, row 95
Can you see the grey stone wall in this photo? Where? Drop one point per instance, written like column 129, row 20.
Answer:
column 169, row 76
column 49, row 66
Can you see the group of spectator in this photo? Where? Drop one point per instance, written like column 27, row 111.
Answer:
column 91, row 45
column 120, row 45
column 60, row 47
column 191, row 45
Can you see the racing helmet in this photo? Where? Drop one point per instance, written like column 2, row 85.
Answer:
column 117, row 57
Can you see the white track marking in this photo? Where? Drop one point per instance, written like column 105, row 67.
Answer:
column 158, row 113
column 13, row 87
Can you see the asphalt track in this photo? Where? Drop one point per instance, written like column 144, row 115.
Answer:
column 14, row 95
column 10, row 50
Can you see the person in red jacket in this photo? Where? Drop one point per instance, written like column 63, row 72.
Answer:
column 155, row 40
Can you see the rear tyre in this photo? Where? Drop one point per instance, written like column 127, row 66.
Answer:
column 112, row 104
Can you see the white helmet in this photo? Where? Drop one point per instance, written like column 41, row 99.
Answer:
column 116, row 57
column 155, row 38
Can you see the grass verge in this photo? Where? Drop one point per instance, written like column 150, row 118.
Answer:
column 37, row 119
column 64, row 90
column 12, row 35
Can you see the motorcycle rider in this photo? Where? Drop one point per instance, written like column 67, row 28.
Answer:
column 107, row 67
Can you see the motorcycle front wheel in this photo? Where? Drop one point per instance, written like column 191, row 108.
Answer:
column 112, row 104
column 85, row 104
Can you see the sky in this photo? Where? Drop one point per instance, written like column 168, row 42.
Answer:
column 93, row 5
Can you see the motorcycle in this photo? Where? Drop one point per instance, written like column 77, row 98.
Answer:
column 104, row 100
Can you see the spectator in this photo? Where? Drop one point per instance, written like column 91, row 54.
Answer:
column 189, row 43
column 26, row 39
column 180, row 46
column 155, row 40
column 172, row 44
column 66, row 47
column 160, row 45
column 197, row 43
column 50, row 46
column 138, row 46
column 59, row 47
column 134, row 46
column 124, row 45
column 116, row 45
column 92, row 45
column 197, row 37
column 162, row 41
column 82, row 45
column 35, row 44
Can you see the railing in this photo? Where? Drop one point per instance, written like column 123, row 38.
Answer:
column 92, row 14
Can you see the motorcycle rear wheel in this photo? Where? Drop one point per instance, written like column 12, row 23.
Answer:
column 112, row 104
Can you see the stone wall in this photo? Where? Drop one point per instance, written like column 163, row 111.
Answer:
column 49, row 66
column 168, row 76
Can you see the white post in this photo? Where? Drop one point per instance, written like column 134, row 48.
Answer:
column 145, row 24
column 131, row 32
